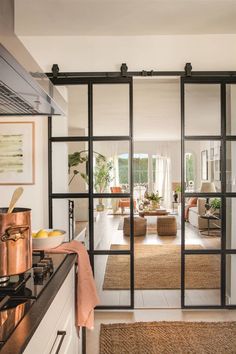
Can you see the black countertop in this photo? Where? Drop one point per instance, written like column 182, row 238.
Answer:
column 21, row 336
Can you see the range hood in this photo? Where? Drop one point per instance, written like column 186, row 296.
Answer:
column 20, row 94
column 24, row 87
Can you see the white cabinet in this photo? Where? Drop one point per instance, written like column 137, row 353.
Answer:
column 57, row 333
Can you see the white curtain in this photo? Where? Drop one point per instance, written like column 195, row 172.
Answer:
column 162, row 182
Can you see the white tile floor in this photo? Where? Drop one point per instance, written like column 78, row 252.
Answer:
column 108, row 226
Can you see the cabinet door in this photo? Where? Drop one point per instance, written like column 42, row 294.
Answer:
column 64, row 339
column 59, row 317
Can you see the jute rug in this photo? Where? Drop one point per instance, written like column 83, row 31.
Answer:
column 168, row 338
column 158, row 267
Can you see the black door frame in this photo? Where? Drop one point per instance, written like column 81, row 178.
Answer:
column 91, row 195
column 90, row 78
column 223, row 138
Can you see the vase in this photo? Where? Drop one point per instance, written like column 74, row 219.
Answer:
column 154, row 205
column 100, row 207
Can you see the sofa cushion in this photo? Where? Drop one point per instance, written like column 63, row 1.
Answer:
column 192, row 201
column 193, row 210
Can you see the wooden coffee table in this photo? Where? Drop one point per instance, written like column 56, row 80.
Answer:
column 157, row 212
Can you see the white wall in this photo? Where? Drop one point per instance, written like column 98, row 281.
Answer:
column 35, row 196
column 164, row 52
column 156, row 109
column 202, row 109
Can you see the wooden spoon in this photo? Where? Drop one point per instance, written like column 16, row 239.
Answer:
column 15, row 196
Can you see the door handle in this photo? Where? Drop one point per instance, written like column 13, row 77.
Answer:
column 61, row 334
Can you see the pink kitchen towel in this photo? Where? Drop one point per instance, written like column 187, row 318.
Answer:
column 87, row 297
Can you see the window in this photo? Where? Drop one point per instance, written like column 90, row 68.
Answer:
column 123, row 165
column 140, row 168
column 189, row 170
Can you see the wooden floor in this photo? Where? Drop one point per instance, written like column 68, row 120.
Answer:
column 107, row 232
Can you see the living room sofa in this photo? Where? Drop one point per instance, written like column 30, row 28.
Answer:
column 194, row 216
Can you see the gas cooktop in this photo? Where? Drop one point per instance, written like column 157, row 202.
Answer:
column 20, row 292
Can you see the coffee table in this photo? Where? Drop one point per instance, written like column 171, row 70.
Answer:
column 157, row 212
column 209, row 218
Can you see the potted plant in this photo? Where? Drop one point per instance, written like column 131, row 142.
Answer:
column 215, row 205
column 75, row 159
column 102, row 177
column 102, row 171
column 177, row 194
column 154, row 199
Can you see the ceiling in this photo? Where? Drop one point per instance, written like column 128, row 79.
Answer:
column 124, row 17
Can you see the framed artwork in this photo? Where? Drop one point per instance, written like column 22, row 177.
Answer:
column 204, row 165
column 17, row 149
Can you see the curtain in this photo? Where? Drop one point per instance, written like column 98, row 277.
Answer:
column 162, row 182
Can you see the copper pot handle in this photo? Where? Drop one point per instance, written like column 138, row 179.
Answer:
column 14, row 233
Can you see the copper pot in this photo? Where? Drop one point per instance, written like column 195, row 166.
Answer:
column 15, row 241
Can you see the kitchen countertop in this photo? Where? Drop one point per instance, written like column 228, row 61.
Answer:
column 28, row 325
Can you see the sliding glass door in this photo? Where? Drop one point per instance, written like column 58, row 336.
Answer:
column 91, row 171
column 94, row 171
column 208, row 250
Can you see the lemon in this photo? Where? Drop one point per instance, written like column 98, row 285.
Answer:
column 42, row 234
column 55, row 233
column 34, row 234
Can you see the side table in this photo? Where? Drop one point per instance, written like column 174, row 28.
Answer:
column 209, row 218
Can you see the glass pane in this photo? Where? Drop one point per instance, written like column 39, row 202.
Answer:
column 231, row 166
column 112, row 276
column 203, row 223
column 202, row 166
column 202, row 109
column 72, row 215
column 202, row 279
column 157, row 168
column 111, row 223
column 231, row 109
column 70, row 167
column 111, row 109
column 111, row 166
column 230, row 223
column 75, row 123
column 230, row 279
column 156, row 106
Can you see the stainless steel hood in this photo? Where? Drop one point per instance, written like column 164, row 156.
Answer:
column 24, row 88
column 19, row 92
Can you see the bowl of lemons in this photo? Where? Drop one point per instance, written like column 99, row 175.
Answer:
column 47, row 238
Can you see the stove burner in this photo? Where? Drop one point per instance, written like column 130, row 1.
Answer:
column 14, row 283
column 3, row 280
column 19, row 292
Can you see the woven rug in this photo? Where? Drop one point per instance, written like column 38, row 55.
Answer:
column 158, row 267
column 168, row 338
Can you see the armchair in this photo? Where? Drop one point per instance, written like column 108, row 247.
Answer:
column 120, row 202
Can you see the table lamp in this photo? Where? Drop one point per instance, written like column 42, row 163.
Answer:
column 207, row 187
